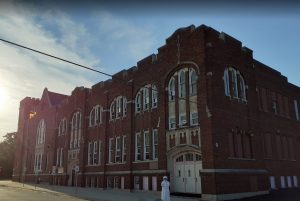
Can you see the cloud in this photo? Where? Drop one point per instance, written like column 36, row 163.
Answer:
column 24, row 73
column 134, row 40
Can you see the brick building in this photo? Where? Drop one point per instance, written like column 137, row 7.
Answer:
column 202, row 111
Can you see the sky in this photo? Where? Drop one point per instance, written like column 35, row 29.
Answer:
column 115, row 36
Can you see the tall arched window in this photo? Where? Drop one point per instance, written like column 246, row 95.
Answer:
column 138, row 103
column 193, row 82
column 95, row 115
column 181, row 84
column 154, row 96
column 146, row 100
column 75, row 130
column 234, row 84
column 171, row 89
column 62, row 128
column 118, row 107
column 41, row 130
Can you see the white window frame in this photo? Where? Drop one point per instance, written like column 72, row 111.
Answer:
column 118, row 155
column 138, row 147
column 171, row 89
column 154, row 96
column 147, row 146
column 75, row 130
column 61, row 157
column 194, row 118
column 124, row 106
column 113, row 110
column 95, row 151
column 110, row 150
column 124, row 148
column 92, row 117
column 182, row 121
column 99, row 152
column 146, row 98
column 138, row 100
column 155, row 144
column 98, row 112
column 181, row 84
column 192, row 82
column 90, row 154
column 119, row 107
column 242, row 87
column 41, row 130
column 172, row 121
column 235, row 93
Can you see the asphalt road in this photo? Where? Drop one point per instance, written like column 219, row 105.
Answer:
column 18, row 194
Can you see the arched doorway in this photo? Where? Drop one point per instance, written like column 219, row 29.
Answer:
column 186, row 173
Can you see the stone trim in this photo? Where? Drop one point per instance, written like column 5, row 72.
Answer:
column 235, row 171
column 212, row 197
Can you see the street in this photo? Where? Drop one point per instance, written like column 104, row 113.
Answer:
column 24, row 194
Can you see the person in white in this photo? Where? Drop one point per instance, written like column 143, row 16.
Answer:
column 165, row 189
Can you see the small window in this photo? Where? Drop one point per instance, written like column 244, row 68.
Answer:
column 198, row 157
column 146, row 145
column 113, row 110
column 138, row 147
column 155, row 144
column 124, row 107
column 172, row 123
column 146, row 101
column 189, row 157
column 194, row 118
column 118, row 150
column 182, row 120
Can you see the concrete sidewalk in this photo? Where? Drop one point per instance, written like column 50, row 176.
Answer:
column 95, row 194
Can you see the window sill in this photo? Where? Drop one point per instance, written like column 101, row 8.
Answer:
column 243, row 159
column 123, row 163
column 93, row 165
column 145, row 161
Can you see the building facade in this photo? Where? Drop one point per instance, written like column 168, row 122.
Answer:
column 202, row 110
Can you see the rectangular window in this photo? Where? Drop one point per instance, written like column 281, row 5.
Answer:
column 194, row 118
column 138, row 147
column 146, row 145
column 119, row 106
column 286, row 106
column 124, row 149
column 118, row 150
column 155, row 144
column 146, row 98
column 61, row 157
column 57, row 156
column 172, row 123
column 182, row 120
column 295, row 181
column 111, row 151
column 234, row 83
column 296, row 110
column 90, row 154
column 154, row 97
column 99, row 153
column 274, row 103
column 95, row 151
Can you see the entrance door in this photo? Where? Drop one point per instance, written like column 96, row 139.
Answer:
column 187, row 169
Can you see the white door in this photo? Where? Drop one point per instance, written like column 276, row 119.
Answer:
column 282, row 181
column 145, row 183
column 289, row 181
column 179, row 176
column 187, row 177
column 198, row 168
column 190, row 178
column 272, row 182
column 154, row 183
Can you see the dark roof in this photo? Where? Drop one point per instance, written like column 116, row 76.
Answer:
column 56, row 98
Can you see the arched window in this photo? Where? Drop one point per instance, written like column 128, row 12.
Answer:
column 138, row 104
column 124, row 106
column 62, row 128
column 181, row 84
column 113, row 110
column 146, row 100
column 75, row 130
column 234, row 84
column 41, row 130
column 226, row 82
column 118, row 107
column 95, row 115
column 171, row 89
column 193, row 82
column 154, row 96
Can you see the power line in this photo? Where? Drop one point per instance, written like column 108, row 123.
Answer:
column 80, row 65
column 109, row 75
